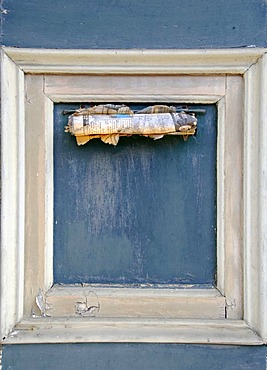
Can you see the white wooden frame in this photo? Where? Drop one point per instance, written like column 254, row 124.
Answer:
column 241, row 274
column 186, row 303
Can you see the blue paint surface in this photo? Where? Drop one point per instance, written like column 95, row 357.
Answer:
column 132, row 356
column 141, row 212
column 127, row 24
column 134, row 24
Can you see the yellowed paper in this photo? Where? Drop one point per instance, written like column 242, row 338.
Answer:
column 88, row 124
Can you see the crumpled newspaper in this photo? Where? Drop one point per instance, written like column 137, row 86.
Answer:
column 108, row 122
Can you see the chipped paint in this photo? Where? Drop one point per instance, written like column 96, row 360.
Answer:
column 86, row 308
column 42, row 304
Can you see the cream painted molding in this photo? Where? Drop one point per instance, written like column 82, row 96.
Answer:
column 149, row 62
column 247, row 301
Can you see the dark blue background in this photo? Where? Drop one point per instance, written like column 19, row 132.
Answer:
column 132, row 356
column 134, row 24
column 141, row 212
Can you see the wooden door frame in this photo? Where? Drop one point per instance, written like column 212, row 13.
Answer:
column 30, row 86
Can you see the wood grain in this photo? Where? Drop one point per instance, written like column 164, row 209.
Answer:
column 233, row 198
column 12, row 194
column 39, row 204
column 88, row 330
column 134, row 85
column 137, row 62
column 126, row 302
column 255, row 221
column 254, row 258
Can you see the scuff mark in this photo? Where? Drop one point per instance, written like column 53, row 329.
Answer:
column 84, row 308
column 231, row 305
column 14, row 333
column 42, row 304
column 3, row 11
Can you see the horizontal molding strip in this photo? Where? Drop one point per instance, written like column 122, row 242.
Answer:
column 194, row 99
column 132, row 302
column 88, row 330
column 218, row 61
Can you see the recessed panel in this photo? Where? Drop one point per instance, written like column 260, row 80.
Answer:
column 141, row 212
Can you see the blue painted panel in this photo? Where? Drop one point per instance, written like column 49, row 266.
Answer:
column 118, row 356
column 141, row 212
column 134, row 24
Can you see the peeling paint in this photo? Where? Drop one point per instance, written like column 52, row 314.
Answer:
column 42, row 304
column 14, row 334
column 3, row 11
column 230, row 305
column 85, row 308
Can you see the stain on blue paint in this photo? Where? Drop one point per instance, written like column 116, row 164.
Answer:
column 141, row 212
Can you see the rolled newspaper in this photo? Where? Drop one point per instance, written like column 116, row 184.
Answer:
column 87, row 124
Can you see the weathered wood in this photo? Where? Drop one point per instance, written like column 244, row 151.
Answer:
column 255, row 220
column 133, row 330
column 254, row 258
column 126, row 302
column 12, row 194
column 86, row 85
column 39, row 188
column 160, row 98
column 221, row 127
column 233, row 198
column 148, row 62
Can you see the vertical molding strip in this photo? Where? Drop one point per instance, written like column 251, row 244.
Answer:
column 39, row 191
column 233, row 201
column 262, row 268
column 13, row 189
column 251, row 196
column 49, row 191
column 220, row 196
column 255, row 196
